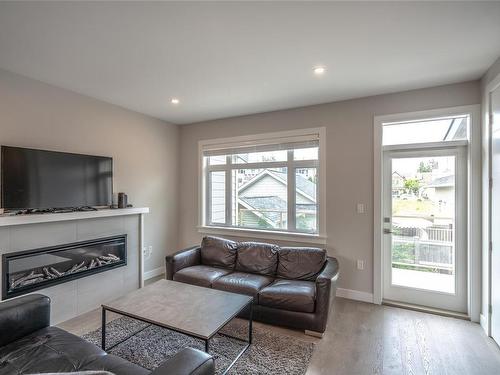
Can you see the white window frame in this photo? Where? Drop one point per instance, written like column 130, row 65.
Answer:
column 473, row 199
column 250, row 140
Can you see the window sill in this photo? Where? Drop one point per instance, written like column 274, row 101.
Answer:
column 265, row 234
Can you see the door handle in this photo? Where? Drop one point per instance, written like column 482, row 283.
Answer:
column 387, row 231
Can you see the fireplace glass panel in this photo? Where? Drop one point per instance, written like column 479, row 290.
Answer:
column 26, row 271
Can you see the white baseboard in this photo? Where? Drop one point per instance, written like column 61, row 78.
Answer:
column 484, row 322
column 153, row 273
column 355, row 295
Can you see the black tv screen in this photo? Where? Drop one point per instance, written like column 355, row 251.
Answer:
column 39, row 179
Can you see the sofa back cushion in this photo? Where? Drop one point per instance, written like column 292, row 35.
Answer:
column 300, row 263
column 256, row 257
column 218, row 252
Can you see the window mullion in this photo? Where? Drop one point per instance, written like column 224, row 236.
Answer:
column 208, row 192
column 229, row 195
column 291, row 192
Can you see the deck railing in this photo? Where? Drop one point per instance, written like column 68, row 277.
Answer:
column 430, row 248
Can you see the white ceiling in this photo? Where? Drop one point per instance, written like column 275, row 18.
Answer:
column 228, row 59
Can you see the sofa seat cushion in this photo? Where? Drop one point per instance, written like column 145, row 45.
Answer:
column 292, row 295
column 242, row 283
column 218, row 252
column 300, row 263
column 256, row 257
column 200, row 275
column 54, row 350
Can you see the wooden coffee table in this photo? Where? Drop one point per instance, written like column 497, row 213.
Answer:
column 188, row 309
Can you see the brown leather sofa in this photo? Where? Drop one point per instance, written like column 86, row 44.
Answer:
column 291, row 286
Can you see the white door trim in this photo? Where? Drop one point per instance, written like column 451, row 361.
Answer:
column 486, row 203
column 474, row 189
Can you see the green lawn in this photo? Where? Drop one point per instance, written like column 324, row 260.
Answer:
column 412, row 207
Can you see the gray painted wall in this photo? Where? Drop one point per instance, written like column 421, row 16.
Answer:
column 349, row 132
column 144, row 150
column 151, row 155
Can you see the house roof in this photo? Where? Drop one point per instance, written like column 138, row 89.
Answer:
column 273, row 204
column 304, row 187
column 302, row 184
column 445, row 181
column 395, row 173
column 266, row 203
column 457, row 129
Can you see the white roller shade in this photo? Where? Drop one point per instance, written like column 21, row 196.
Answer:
column 291, row 143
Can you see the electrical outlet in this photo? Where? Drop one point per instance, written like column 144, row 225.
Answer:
column 147, row 251
column 360, row 264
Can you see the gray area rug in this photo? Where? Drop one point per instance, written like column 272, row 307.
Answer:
column 149, row 346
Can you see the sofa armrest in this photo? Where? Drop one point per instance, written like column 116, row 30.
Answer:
column 182, row 259
column 329, row 272
column 24, row 315
column 189, row 361
column 326, row 286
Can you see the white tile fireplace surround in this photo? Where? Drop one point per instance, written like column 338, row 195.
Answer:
column 74, row 297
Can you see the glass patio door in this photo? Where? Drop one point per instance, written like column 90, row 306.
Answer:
column 425, row 227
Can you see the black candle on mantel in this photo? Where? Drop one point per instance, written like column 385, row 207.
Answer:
column 122, row 200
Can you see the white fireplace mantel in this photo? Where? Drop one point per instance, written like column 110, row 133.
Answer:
column 10, row 220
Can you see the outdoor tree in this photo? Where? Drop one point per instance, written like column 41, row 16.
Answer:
column 412, row 185
column 424, row 168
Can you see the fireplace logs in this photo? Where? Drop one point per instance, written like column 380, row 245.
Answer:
column 31, row 278
column 50, row 273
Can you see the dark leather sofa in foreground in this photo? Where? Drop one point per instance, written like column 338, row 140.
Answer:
column 291, row 286
column 28, row 345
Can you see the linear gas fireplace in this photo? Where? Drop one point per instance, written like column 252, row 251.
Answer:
column 26, row 271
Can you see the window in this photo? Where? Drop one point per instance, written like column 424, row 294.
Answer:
column 442, row 129
column 263, row 183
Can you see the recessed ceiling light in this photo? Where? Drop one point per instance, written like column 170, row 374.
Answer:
column 319, row 70
column 175, row 101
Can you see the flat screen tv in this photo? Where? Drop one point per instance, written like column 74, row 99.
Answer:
column 39, row 179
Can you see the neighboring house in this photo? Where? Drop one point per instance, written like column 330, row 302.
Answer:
column 457, row 129
column 217, row 198
column 442, row 191
column 398, row 184
column 262, row 201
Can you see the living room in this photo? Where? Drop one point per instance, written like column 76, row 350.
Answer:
column 249, row 187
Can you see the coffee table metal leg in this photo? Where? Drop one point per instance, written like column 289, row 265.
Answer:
column 250, row 324
column 248, row 343
column 103, row 329
column 207, row 346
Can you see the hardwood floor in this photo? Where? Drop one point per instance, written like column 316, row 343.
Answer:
column 363, row 338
